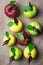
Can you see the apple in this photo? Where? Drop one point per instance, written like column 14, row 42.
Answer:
column 30, row 52
column 9, row 39
column 15, row 54
column 30, row 11
column 34, row 28
column 11, row 10
column 15, row 25
column 23, row 38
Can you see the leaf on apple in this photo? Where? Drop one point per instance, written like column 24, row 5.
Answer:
column 20, row 36
column 11, row 24
column 7, row 34
column 31, row 46
column 27, row 8
column 12, row 2
column 30, row 27
column 13, row 50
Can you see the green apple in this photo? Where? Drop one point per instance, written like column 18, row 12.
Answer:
column 16, row 53
column 9, row 39
column 34, row 28
column 30, row 11
column 15, row 25
column 30, row 51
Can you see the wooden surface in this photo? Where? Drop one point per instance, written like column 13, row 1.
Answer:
column 38, row 41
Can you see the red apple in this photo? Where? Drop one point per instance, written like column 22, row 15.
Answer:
column 26, row 38
column 11, row 10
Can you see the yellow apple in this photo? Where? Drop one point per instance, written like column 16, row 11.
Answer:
column 16, row 27
column 30, row 51
column 11, row 39
column 34, row 28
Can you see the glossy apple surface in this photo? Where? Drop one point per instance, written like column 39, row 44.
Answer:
column 34, row 28
column 16, row 27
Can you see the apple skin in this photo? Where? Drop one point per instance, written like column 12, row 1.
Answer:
column 18, row 54
column 11, row 41
column 28, row 54
column 10, row 11
column 24, row 42
column 36, row 25
column 16, row 27
column 31, row 14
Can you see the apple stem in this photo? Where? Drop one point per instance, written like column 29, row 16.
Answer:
column 30, row 59
column 12, row 8
column 15, row 20
column 6, row 42
column 11, row 59
column 25, row 34
column 30, row 4
column 38, row 31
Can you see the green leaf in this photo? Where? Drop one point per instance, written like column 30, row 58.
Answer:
column 13, row 50
column 11, row 24
column 30, row 27
column 12, row 2
column 20, row 36
column 31, row 46
column 27, row 8
column 7, row 34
